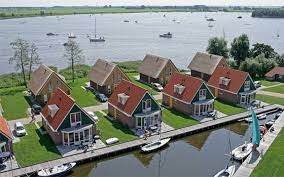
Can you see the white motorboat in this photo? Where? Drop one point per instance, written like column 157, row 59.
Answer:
column 111, row 141
column 60, row 170
column 249, row 119
column 226, row 172
column 166, row 35
column 242, row 151
column 71, row 35
column 261, row 116
column 155, row 145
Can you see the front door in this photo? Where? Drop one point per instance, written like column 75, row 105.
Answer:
column 77, row 139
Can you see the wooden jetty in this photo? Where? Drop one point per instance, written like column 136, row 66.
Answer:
column 131, row 145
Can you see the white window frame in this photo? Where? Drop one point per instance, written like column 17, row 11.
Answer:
column 57, row 84
column 247, row 86
column 50, row 87
column 73, row 124
column 109, row 89
column 202, row 94
column 148, row 105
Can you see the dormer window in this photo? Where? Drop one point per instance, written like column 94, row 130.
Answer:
column 179, row 89
column 75, row 119
column 122, row 98
column 247, row 86
column 202, row 94
column 52, row 110
column 224, row 81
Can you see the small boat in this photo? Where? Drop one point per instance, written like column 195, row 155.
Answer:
column 155, row 145
column 136, row 21
column 111, row 141
column 71, row 35
column 261, row 116
column 226, row 172
column 241, row 152
column 166, row 35
column 239, row 17
column 126, row 21
column 60, row 170
column 50, row 34
column 96, row 39
column 249, row 119
column 277, row 115
column 269, row 123
column 178, row 21
column 65, row 44
column 210, row 19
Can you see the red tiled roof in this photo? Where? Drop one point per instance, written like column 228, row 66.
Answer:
column 134, row 92
column 63, row 102
column 276, row 70
column 191, row 84
column 4, row 128
column 237, row 78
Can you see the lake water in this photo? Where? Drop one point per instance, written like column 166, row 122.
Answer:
column 200, row 155
column 131, row 41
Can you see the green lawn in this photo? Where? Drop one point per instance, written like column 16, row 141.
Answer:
column 228, row 109
column 34, row 148
column 83, row 97
column 272, row 162
column 143, row 85
column 176, row 119
column 110, row 129
column 268, row 83
column 270, row 99
column 276, row 89
column 14, row 103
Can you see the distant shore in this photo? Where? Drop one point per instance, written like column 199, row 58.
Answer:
column 10, row 13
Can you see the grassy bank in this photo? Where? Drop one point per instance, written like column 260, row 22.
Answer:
column 276, row 89
column 228, row 109
column 8, row 13
column 270, row 99
column 272, row 162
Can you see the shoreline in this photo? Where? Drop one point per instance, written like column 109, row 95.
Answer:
column 14, row 14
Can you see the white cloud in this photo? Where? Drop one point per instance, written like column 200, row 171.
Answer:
column 139, row 2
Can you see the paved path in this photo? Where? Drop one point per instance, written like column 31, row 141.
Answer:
column 279, row 95
column 251, row 162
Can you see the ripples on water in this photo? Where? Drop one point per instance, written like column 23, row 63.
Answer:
column 131, row 41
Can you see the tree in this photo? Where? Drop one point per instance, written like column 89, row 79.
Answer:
column 240, row 48
column 218, row 46
column 21, row 56
column 74, row 55
column 34, row 58
column 280, row 60
column 262, row 49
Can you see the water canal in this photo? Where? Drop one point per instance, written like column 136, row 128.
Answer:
column 198, row 155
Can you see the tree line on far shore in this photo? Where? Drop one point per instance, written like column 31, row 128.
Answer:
column 257, row 60
column 268, row 13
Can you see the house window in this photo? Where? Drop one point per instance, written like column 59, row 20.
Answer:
column 45, row 98
column 247, row 86
column 146, row 105
column 202, row 94
column 50, row 87
column 75, row 119
column 170, row 71
column 57, row 84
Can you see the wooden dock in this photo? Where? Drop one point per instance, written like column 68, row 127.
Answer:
column 128, row 146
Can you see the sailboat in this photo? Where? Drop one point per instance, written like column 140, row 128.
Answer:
column 96, row 39
column 71, row 35
column 244, row 150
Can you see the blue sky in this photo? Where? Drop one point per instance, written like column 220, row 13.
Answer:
column 13, row 3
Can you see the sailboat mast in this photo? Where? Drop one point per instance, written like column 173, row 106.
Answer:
column 95, row 27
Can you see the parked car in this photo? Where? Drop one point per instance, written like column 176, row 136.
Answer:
column 20, row 129
column 36, row 109
column 91, row 89
column 257, row 84
column 157, row 87
column 101, row 97
column 94, row 116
